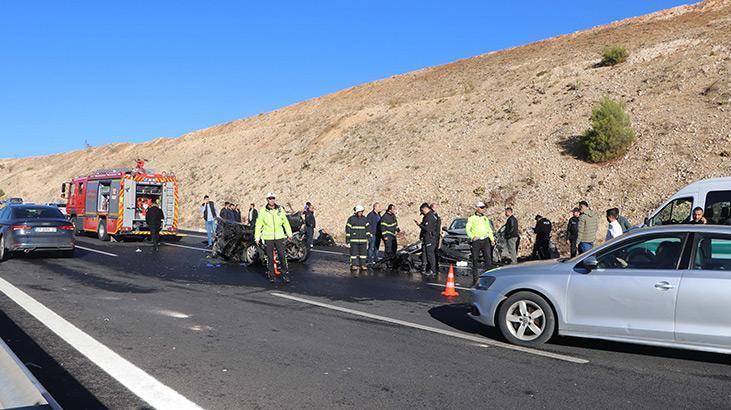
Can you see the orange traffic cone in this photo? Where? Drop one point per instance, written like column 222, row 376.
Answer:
column 450, row 291
column 277, row 273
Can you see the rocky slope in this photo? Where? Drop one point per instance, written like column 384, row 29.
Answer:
column 501, row 127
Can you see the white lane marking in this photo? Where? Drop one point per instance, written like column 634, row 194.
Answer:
column 94, row 250
column 172, row 313
column 444, row 286
column 330, row 252
column 130, row 376
column 464, row 336
column 187, row 247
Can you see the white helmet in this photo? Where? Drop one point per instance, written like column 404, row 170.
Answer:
column 359, row 208
column 480, row 204
column 270, row 195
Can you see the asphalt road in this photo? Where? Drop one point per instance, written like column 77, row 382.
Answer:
column 222, row 337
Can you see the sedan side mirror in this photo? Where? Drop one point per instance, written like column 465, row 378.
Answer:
column 444, row 228
column 591, row 263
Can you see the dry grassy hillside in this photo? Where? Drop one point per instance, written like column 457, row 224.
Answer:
column 501, row 127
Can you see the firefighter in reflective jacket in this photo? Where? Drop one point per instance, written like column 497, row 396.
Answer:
column 357, row 235
column 389, row 229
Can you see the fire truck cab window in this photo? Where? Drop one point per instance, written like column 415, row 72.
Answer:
column 103, row 197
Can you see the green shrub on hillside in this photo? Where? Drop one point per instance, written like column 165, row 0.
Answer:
column 613, row 56
column 610, row 135
column 2, row 193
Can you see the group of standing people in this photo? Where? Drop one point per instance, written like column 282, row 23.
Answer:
column 364, row 234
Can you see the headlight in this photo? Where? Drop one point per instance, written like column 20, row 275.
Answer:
column 485, row 282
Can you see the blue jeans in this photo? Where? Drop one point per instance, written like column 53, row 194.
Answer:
column 585, row 246
column 373, row 245
column 210, row 230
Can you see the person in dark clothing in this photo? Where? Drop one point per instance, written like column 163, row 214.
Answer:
column 154, row 218
column 542, row 247
column 208, row 210
column 224, row 214
column 697, row 217
column 356, row 235
column 253, row 214
column 433, row 207
column 429, row 234
column 310, row 223
column 512, row 235
column 236, row 214
column 389, row 229
column 374, row 242
column 572, row 231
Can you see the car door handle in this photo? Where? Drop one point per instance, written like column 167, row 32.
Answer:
column 663, row 285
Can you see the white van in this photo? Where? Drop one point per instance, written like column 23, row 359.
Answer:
column 712, row 195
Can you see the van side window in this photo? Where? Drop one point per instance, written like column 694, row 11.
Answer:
column 718, row 207
column 676, row 211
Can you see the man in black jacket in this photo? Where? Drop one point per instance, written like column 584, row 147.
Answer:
column 512, row 235
column 154, row 218
column 253, row 214
column 429, row 235
column 542, row 247
column 310, row 224
column 208, row 210
column 572, row 231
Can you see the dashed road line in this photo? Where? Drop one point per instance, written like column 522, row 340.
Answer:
column 96, row 251
column 130, row 376
column 187, row 247
column 328, row 252
column 463, row 336
column 443, row 286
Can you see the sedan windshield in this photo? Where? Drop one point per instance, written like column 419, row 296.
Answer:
column 37, row 213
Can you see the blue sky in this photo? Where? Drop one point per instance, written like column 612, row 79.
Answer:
column 113, row 71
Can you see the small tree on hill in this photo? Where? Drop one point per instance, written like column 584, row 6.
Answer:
column 613, row 56
column 610, row 135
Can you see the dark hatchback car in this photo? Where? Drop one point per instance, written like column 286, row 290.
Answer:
column 34, row 228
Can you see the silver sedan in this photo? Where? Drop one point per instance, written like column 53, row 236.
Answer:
column 665, row 286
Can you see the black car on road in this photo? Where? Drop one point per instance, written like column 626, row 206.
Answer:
column 34, row 228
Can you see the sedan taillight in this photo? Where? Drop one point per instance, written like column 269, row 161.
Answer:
column 21, row 227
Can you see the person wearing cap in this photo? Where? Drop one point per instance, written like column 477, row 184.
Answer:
column 572, row 231
column 429, row 236
column 272, row 227
column 389, row 229
column 542, row 246
column 357, row 235
column 482, row 239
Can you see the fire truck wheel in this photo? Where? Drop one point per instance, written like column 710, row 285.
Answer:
column 75, row 223
column 101, row 231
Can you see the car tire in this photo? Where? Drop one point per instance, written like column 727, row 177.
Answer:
column 526, row 319
column 101, row 230
column 4, row 253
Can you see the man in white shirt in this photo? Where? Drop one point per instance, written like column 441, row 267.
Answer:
column 615, row 229
column 208, row 210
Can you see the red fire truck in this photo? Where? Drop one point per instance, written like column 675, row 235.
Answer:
column 113, row 202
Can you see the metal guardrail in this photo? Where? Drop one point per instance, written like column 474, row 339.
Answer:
column 18, row 387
